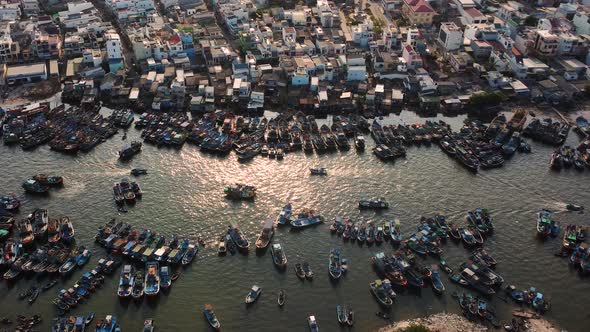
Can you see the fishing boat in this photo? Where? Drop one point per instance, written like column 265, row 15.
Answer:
column 318, row 171
column 34, row 187
column 437, row 283
column 210, row 317
column 148, row 325
column 83, row 257
column 25, row 232
column 126, row 282
column 370, row 233
column 152, row 279
column 240, row 191
column 39, row 220
column 283, row 218
column 362, row 233
column 191, row 252
column 165, row 277
column 359, row 142
column 467, row 236
column 307, row 221
column 279, row 258
column 222, row 248
column 266, row 235
column 50, row 181
column 313, row 324
column 68, row 266
column 66, row 230
column 139, row 171
column 299, row 271
column 281, row 297
column 454, row 232
column 129, row 151
column 396, row 233
column 335, row 264
column 544, row 222
column 307, row 270
column 373, row 204
column 238, row 238
column 89, row 318
column 341, row 314
column 138, row 285
column 9, row 202
column 480, row 219
column 109, row 324
column 477, row 235
column 443, row 265
column 379, row 235
column 380, row 294
column 6, row 222
column 349, row 315
column 574, row 207
column 570, row 237
column 253, row 294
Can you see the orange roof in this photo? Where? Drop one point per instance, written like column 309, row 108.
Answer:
column 419, row 6
column 175, row 39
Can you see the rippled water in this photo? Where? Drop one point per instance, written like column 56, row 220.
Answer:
column 183, row 195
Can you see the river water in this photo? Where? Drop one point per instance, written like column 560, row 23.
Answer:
column 183, row 195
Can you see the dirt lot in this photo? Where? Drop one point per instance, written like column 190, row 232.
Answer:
column 29, row 92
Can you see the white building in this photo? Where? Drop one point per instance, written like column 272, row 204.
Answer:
column 450, row 36
column 10, row 12
column 125, row 9
column 113, row 45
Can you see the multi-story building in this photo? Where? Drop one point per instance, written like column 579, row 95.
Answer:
column 412, row 58
column 450, row 36
column 10, row 11
column 130, row 9
column 46, row 46
column 546, row 43
column 114, row 51
column 30, row 7
column 418, row 12
column 9, row 49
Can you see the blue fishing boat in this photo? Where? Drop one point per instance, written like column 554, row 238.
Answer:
column 467, row 236
column 66, row 230
column 68, row 266
column 544, row 223
column 335, row 264
column 238, row 238
column 253, row 294
column 109, row 324
column 165, row 277
column 152, row 279
column 285, row 215
column 211, row 318
column 362, row 234
column 437, row 283
column 307, row 221
column 126, row 282
column 370, row 233
column 396, row 233
column 129, row 151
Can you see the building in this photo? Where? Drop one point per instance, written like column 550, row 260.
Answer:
column 418, row 12
column 450, row 36
column 114, row 51
column 546, row 43
column 131, row 9
column 30, row 7
column 412, row 58
column 25, row 73
column 474, row 16
column 582, row 22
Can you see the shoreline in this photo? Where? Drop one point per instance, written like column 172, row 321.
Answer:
column 449, row 322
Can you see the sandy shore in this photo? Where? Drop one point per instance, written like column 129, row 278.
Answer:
column 444, row 322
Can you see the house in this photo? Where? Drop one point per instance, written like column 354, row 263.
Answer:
column 390, row 5
column 25, row 73
column 356, row 73
column 473, row 16
column 546, row 43
column 481, row 49
column 412, row 58
column 581, row 21
column 114, row 51
column 450, row 36
column 460, row 61
column 418, row 12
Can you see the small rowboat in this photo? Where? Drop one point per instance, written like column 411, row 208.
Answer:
column 281, row 297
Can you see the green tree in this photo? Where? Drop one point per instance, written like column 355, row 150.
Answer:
column 531, row 21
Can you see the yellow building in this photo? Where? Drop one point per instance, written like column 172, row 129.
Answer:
column 418, row 12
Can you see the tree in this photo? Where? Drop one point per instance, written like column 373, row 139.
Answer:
column 486, row 99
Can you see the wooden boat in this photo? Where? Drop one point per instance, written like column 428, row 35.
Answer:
column 50, row 181
column 138, row 171
column 148, row 325
column 240, row 191
column 299, row 271
column 544, row 223
column 9, row 202
column 477, row 236
column 238, row 238
column 25, row 232
column 574, row 207
column 454, row 232
column 39, row 220
column 373, row 204
column 318, row 171
column 66, row 230
column 313, row 324
column 34, row 187
column 266, row 235
column 210, row 317
column 335, row 264
column 128, row 151
column 281, row 297
column 467, row 236
column 279, row 258
column 152, row 279
column 126, row 282
column 380, row 293
column 253, row 295
column 68, row 266
column 307, row 270
column 283, row 218
column 222, row 248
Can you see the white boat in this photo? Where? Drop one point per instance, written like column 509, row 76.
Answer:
column 253, row 294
